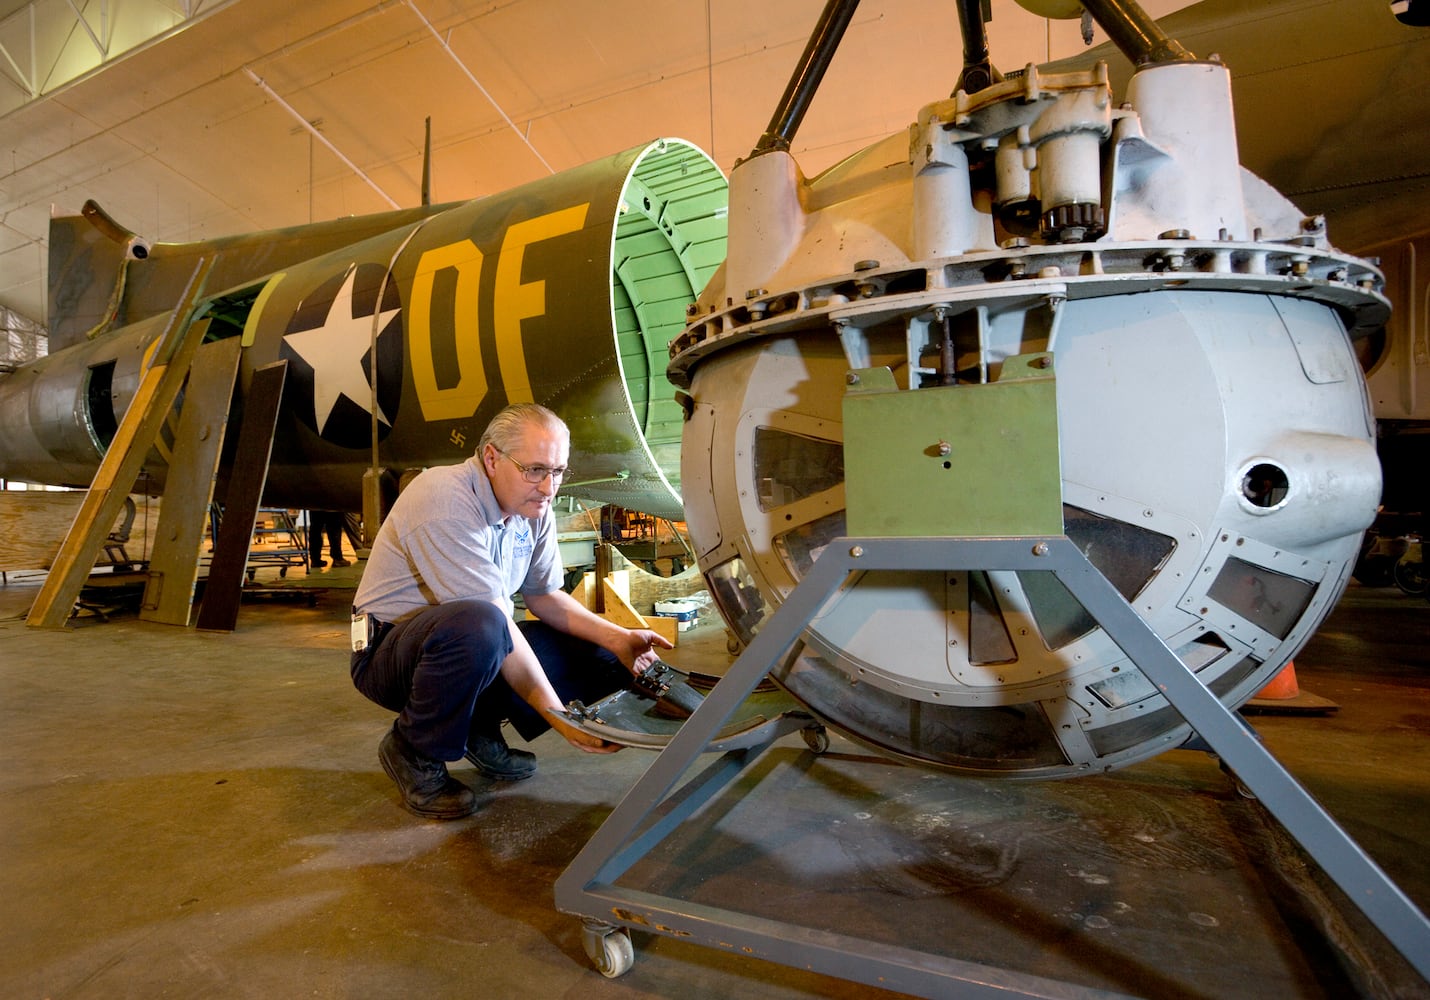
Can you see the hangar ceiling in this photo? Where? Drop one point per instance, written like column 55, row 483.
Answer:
column 202, row 118
column 211, row 118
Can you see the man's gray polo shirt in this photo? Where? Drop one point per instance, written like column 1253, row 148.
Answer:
column 445, row 539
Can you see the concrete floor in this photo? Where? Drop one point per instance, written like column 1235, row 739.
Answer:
column 188, row 814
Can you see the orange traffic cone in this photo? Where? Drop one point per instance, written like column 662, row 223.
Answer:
column 1284, row 696
column 1283, row 685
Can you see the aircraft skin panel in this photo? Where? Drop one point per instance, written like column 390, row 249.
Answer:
column 46, row 428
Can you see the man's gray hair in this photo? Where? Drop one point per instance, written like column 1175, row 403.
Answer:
column 504, row 431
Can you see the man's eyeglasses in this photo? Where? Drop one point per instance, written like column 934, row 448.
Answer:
column 536, row 474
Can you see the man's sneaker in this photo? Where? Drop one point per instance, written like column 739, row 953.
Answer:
column 340, row 562
column 496, row 760
column 427, row 789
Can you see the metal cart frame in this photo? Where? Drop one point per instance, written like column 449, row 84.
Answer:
column 650, row 812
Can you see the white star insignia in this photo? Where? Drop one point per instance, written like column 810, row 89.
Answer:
column 335, row 351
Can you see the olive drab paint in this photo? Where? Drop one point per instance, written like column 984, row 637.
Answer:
column 406, row 332
column 448, row 372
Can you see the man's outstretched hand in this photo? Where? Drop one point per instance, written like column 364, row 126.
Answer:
column 579, row 738
column 642, row 649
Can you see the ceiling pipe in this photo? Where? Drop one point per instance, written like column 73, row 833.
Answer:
column 477, row 83
column 307, row 125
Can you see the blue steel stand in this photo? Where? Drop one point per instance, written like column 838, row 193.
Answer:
column 649, row 812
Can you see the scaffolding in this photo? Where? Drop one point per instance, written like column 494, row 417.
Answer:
column 22, row 340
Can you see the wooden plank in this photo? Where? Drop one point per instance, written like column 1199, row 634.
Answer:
column 120, row 466
column 668, row 628
column 620, row 581
column 222, row 593
column 618, row 609
column 582, row 591
column 603, row 567
column 189, row 484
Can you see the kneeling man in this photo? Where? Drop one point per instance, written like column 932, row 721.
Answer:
column 442, row 649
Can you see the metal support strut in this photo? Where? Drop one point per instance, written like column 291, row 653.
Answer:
column 650, row 812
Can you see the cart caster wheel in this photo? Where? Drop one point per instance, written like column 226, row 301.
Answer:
column 816, row 738
column 283, row 572
column 251, row 574
column 608, row 947
column 1237, row 783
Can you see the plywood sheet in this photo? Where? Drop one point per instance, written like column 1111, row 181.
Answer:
column 33, row 523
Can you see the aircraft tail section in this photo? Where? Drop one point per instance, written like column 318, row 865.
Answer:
column 104, row 276
column 89, row 258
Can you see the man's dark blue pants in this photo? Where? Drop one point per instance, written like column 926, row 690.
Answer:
column 440, row 671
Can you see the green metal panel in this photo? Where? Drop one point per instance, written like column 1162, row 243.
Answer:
column 962, row 461
column 670, row 238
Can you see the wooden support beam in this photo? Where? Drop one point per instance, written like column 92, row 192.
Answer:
column 219, row 610
column 120, row 466
column 603, row 570
column 189, row 485
column 618, row 609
